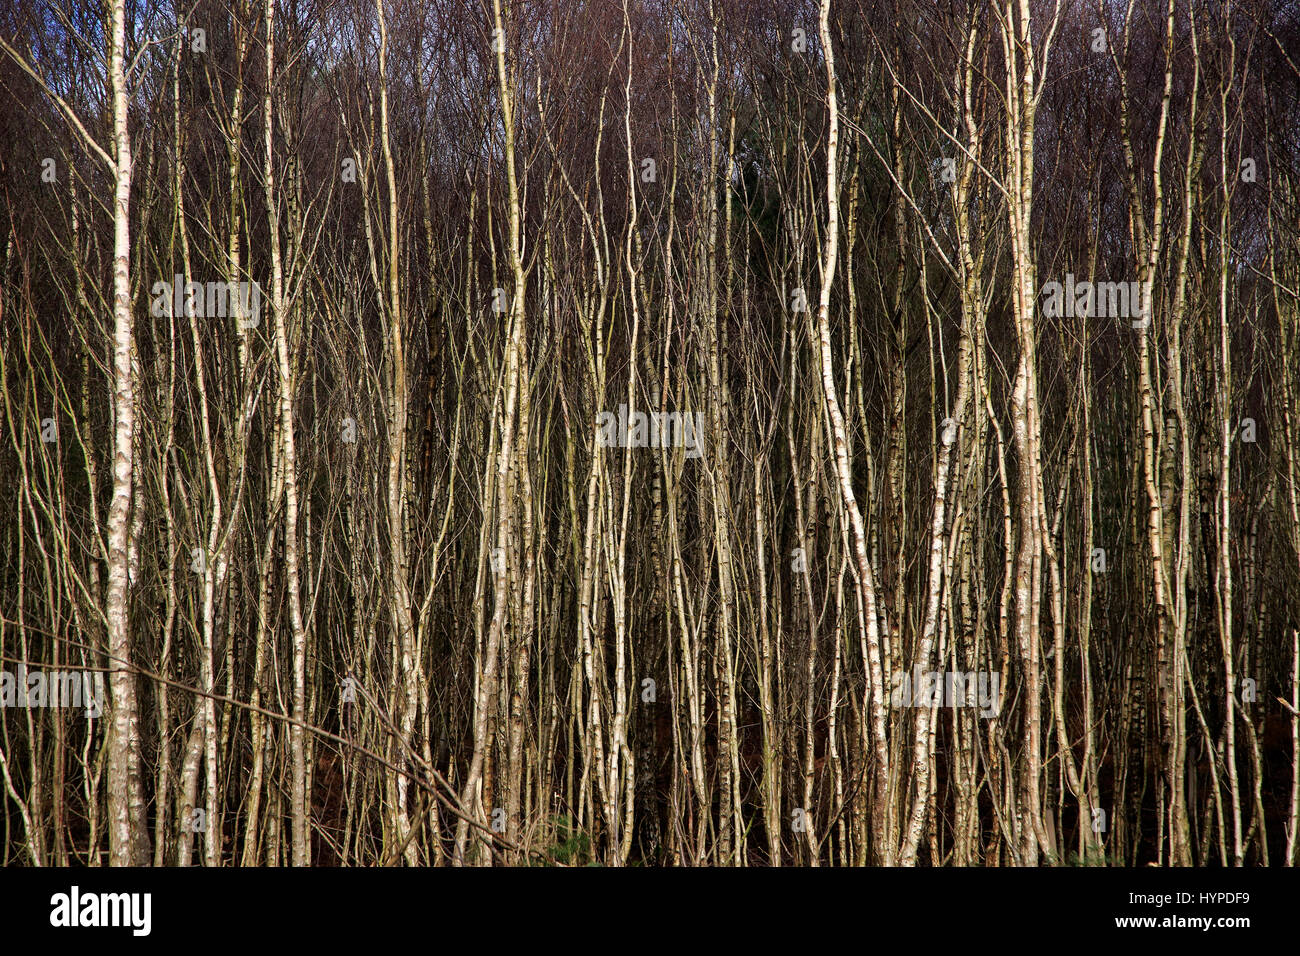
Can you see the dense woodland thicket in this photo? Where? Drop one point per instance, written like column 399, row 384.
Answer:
column 650, row 432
